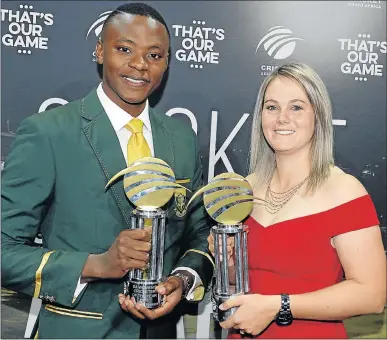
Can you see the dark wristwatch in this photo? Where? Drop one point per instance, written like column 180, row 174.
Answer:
column 186, row 283
column 284, row 316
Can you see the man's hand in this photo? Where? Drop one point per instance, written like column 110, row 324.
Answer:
column 130, row 250
column 172, row 290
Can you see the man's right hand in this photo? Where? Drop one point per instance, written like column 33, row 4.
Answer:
column 130, row 250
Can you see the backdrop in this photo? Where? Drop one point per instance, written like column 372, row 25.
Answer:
column 221, row 52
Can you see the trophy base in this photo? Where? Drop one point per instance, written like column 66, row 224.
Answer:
column 218, row 314
column 143, row 291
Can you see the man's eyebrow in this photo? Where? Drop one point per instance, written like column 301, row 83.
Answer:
column 127, row 40
column 123, row 40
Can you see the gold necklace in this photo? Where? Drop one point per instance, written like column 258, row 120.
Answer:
column 276, row 200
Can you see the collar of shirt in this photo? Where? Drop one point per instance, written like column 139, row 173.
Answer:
column 117, row 116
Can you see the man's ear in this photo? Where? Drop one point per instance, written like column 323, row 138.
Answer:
column 167, row 61
column 99, row 52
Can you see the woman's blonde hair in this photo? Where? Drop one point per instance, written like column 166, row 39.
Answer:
column 262, row 157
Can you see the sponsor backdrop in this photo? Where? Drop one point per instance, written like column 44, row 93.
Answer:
column 221, row 52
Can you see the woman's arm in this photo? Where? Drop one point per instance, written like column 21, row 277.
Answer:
column 363, row 291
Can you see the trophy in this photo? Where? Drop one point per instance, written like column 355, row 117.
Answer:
column 228, row 199
column 149, row 183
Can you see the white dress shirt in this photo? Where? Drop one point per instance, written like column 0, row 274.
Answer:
column 119, row 118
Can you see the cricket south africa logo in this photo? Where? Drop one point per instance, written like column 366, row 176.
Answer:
column 97, row 25
column 278, row 42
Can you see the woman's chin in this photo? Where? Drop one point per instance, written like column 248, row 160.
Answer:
column 282, row 150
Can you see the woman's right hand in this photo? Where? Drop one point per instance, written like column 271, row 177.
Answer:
column 230, row 248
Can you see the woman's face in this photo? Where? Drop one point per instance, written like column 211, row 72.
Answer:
column 288, row 119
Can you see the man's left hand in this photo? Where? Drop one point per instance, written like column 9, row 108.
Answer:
column 172, row 290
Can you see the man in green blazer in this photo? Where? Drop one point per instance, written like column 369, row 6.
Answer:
column 54, row 182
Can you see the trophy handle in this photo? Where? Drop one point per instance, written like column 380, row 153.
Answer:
column 127, row 170
column 119, row 174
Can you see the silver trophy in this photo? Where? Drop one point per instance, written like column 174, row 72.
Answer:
column 149, row 184
column 228, row 199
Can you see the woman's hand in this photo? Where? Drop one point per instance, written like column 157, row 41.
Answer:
column 254, row 314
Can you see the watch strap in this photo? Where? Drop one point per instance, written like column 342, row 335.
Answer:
column 187, row 282
column 284, row 316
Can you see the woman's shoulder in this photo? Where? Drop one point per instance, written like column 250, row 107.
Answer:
column 355, row 208
column 342, row 187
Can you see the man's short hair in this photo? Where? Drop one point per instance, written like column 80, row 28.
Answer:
column 136, row 9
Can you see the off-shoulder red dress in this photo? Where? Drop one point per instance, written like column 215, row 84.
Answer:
column 296, row 256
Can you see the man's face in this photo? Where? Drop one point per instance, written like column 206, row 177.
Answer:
column 134, row 54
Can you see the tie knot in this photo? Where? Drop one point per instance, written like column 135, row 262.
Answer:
column 135, row 125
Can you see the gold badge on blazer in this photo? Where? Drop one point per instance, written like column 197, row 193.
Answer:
column 180, row 198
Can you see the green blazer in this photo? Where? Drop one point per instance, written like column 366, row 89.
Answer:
column 54, row 182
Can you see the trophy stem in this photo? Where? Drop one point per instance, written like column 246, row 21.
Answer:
column 141, row 285
column 133, row 223
column 161, row 238
column 224, row 266
column 238, row 262
column 223, row 288
column 140, row 225
column 246, row 287
column 133, row 273
column 218, row 282
column 154, row 250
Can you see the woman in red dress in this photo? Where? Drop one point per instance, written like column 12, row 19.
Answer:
column 317, row 224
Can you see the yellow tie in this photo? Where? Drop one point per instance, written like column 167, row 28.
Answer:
column 137, row 146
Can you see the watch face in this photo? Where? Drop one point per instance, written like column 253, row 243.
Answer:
column 284, row 319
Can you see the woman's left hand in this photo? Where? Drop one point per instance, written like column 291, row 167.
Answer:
column 254, row 314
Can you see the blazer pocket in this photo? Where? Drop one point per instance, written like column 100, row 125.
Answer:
column 73, row 312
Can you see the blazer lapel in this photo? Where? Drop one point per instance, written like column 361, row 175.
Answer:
column 164, row 148
column 163, row 145
column 105, row 144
